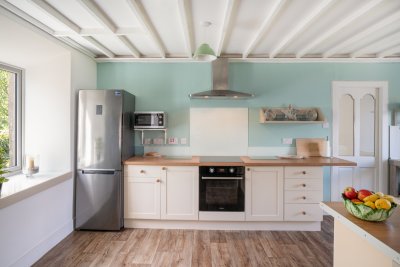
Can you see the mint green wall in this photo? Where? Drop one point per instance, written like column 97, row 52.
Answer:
column 165, row 86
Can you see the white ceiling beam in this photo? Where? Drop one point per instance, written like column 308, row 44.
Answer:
column 185, row 19
column 102, row 31
column 390, row 51
column 99, row 46
column 340, row 25
column 57, row 15
column 99, row 15
column 301, row 26
column 265, row 26
column 385, row 42
column 366, row 32
column 231, row 7
column 138, row 10
column 69, row 24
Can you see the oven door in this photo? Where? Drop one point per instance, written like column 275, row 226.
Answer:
column 221, row 194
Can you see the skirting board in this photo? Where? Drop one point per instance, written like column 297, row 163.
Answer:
column 207, row 225
column 34, row 254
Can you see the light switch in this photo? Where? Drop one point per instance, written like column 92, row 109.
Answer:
column 287, row 141
column 147, row 141
column 158, row 141
column 325, row 125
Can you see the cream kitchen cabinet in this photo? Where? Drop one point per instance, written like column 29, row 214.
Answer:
column 156, row 192
column 303, row 192
column 264, row 194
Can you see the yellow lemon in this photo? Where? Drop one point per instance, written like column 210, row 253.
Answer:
column 371, row 198
column 370, row 204
column 380, row 194
column 383, row 204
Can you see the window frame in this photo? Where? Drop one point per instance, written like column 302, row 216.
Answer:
column 20, row 77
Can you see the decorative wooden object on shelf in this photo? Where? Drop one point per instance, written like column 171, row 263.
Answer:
column 290, row 114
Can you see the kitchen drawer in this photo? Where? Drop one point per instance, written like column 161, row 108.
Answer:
column 302, row 212
column 303, row 196
column 142, row 171
column 303, row 184
column 303, row 172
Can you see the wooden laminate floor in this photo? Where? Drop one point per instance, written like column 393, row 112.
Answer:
column 153, row 247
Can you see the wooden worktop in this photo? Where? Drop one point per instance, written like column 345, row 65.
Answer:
column 386, row 232
column 246, row 161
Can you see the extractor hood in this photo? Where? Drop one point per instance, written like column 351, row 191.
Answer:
column 219, row 72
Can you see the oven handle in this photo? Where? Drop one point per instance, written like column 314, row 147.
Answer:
column 221, row 178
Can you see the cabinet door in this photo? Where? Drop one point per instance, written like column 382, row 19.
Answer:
column 264, row 194
column 180, row 193
column 142, row 197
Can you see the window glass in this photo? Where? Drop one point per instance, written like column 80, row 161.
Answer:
column 10, row 115
column 346, row 126
column 367, row 126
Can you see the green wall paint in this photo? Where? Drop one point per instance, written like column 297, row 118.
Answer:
column 165, row 86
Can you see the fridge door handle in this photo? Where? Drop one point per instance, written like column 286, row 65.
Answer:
column 98, row 171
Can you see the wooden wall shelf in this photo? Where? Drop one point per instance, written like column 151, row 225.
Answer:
column 320, row 117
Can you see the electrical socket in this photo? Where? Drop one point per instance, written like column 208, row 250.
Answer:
column 183, row 141
column 173, row 140
column 147, row 141
column 325, row 125
column 287, row 141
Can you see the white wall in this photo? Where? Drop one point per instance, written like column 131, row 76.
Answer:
column 34, row 225
column 53, row 71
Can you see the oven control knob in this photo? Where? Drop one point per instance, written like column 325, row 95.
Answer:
column 211, row 170
column 231, row 170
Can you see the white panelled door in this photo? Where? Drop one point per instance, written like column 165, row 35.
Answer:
column 359, row 126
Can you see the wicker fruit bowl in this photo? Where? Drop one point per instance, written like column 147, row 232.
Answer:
column 367, row 213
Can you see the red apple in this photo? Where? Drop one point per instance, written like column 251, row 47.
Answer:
column 363, row 193
column 350, row 192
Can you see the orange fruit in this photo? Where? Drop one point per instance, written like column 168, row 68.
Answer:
column 383, row 204
column 370, row 204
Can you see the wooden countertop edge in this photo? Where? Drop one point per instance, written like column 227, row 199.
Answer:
column 378, row 244
column 246, row 161
column 23, row 194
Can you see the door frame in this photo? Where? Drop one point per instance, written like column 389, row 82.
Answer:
column 381, row 183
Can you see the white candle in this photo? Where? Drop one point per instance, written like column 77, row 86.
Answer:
column 30, row 162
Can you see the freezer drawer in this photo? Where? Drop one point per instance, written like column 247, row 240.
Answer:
column 98, row 200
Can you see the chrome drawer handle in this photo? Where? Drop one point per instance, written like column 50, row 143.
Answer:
column 158, row 180
column 303, row 212
column 304, row 172
column 142, row 171
column 303, row 185
column 304, row 197
column 164, row 168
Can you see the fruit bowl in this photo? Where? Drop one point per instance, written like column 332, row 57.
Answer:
column 366, row 213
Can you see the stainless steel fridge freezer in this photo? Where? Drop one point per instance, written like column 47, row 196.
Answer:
column 105, row 138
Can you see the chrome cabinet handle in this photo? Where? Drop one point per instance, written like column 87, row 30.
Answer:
column 142, row 171
column 304, row 172
column 303, row 185
column 304, row 197
column 248, row 169
column 303, row 212
column 158, row 180
column 164, row 168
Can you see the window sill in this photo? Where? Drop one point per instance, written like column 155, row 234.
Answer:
column 20, row 187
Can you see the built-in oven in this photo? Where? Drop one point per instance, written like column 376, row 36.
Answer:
column 221, row 188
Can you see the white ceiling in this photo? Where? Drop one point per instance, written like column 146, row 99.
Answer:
column 262, row 29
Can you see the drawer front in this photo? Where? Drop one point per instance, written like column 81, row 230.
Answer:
column 298, row 197
column 142, row 171
column 303, row 184
column 303, row 172
column 302, row 212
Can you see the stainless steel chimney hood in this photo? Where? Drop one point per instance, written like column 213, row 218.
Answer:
column 219, row 72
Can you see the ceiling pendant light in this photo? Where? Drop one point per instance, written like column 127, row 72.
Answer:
column 204, row 52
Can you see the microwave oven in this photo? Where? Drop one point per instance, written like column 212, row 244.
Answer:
column 150, row 120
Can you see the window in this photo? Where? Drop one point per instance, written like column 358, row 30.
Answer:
column 10, row 115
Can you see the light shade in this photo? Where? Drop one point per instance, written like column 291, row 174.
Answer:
column 204, row 53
